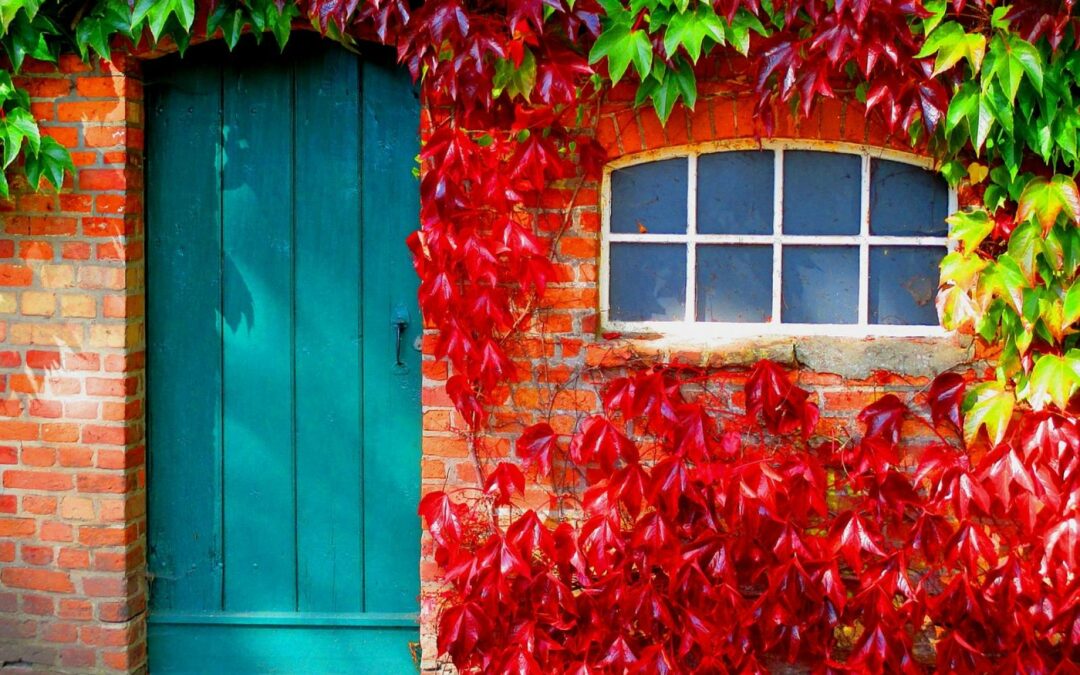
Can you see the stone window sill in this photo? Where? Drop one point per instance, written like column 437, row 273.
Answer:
column 847, row 357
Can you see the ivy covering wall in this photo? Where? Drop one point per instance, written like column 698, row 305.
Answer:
column 723, row 550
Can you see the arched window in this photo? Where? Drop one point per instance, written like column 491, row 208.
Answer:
column 782, row 238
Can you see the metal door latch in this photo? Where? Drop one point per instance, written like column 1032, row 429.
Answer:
column 401, row 324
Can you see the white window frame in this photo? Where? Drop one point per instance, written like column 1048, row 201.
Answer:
column 691, row 328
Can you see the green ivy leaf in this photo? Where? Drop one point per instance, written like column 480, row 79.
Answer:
column 951, row 44
column 1072, row 306
column 1025, row 245
column 50, row 162
column 621, row 46
column 515, row 80
column 1052, row 380
column 964, row 105
column 962, row 269
column 1030, row 60
column 989, row 405
column 970, row 227
column 1047, row 199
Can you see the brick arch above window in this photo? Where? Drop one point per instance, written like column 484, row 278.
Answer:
column 779, row 237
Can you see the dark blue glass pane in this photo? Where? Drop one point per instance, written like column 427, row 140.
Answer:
column 735, row 192
column 821, row 192
column 820, row 284
column 734, row 283
column 907, row 200
column 903, row 284
column 648, row 282
column 650, row 198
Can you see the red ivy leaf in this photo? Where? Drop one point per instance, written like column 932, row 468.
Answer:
column 945, row 397
column 883, row 418
column 442, row 520
column 537, row 444
column 504, row 482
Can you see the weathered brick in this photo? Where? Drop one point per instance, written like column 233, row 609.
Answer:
column 38, row 580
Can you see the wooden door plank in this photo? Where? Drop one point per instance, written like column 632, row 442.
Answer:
column 328, row 420
column 259, row 494
column 390, row 211
column 184, row 335
column 260, row 649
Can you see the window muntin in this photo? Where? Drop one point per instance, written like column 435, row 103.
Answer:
column 785, row 238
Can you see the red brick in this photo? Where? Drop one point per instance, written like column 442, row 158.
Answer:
column 59, row 433
column 76, row 203
column 75, row 251
column 90, row 111
column 104, row 227
column 53, row 225
column 16, row 275
column 76, row 456
column 100, row 386
column 9, row 503
column 100, row 87
column 103, row 536
column 41, row 605
column 71, row 608
column 19, row 431
column 42, row 87
column 104, row 637
column 38, row 580
column 78, row 657
column 17, row 527
column 102, row 179
column 103, row 137
column 41, row 408
column 37, row 480
column 38, row 456
column 42, row 359
column 39, row 505
column 98, row 482
column 104, row 435
column 57, row 532
column 73, row 558
column 82, row 361
column 63, row 633
column 105, row 587
column 35, row 250
column 37, row 555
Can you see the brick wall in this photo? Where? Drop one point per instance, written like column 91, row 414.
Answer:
column 72, row 502
column 564, row 360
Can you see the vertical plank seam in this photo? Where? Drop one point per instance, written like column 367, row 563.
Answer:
column 220, row 158
column 292, row 334
column 360, row 382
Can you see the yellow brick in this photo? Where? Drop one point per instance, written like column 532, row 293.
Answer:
column 58, row 335
column 38, row 304
column 107, row 336
column 57, row 276
column 21, row 333
column 80, row 306
column 7, row 303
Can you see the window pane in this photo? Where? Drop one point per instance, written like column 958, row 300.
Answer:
column 907, row 200
column 903, row 284
column 821, row 192
column 820, row 284
column 735, row 192
column 650, row 198
column 648, row 282
column 734, row 283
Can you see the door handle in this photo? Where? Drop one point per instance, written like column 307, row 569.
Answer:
column 399, row 327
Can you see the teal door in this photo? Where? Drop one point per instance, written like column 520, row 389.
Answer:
column 283, row 382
